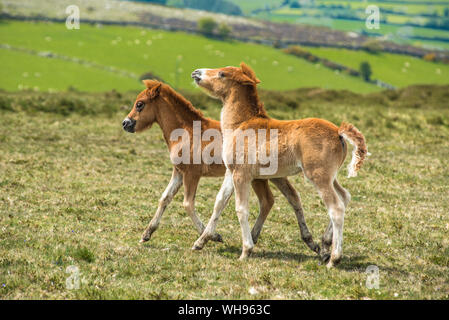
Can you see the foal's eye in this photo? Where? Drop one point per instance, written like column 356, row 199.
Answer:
column 221, row 74
column 140, row 105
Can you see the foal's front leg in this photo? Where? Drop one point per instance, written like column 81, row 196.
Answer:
column 171, row 190
column 221, row 201
column 242, row 186
column 190, row 187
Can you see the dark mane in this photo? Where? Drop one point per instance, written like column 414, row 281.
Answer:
column 181, row 101
column 256, row 103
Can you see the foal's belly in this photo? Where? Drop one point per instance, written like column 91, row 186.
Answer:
column 283, row 171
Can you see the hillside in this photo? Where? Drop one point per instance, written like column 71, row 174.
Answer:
column 160, row 17
column 397, row 70
column 47, row 56
column 92, row 58
column 417, row 22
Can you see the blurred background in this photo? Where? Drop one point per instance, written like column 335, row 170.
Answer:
column 76, row 190
column 330, row 44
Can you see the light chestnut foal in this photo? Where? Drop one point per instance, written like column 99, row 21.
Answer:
column 161, row 104
column 314, row 146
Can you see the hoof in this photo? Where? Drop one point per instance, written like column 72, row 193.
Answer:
column 217, row 238
column 245, row 255
column 254, row 237
column 325, row 257
column 197, row 247
column 333, row 262
column 146, row 236
column 316, row 248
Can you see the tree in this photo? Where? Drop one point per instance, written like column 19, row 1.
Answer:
column 224, row 31
column 222, row 6
column 277, row 44
column 161, row 2
column 430, row 57
column 295, row 5
column 207, row 26
column 372, row 46
column 365, row 71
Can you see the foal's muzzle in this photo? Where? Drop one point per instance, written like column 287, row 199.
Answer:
column 196, row 75
column 129, row 125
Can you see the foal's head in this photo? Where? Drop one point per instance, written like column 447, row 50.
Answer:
column 219, row 82
column 143, row 114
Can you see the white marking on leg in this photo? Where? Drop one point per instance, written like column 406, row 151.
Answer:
column 241, row 206
column 336, row 213
column 221, row 201
column 167, row 196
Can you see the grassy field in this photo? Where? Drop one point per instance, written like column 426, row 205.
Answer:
column 92, row 56
column 407, row 7
column 396, row 33
column 38, row 73
column 75, row 189
column 249, row 5
column 396, row 26
column 169, row 55
column 395, row 69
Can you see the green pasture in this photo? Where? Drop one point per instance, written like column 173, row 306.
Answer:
column 397, row 70
column 169, row 55
column 395, row 28
column 78, row 191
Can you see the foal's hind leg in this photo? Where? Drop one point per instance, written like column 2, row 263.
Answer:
column 336, row 210
column 342, row 192
column 190, row 187
column 345, row 196
column 266, row 201
column 295, row 201
column 171, row 190
column 326, row 243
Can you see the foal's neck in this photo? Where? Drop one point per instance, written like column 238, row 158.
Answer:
column 177, row 113
column 240, row 105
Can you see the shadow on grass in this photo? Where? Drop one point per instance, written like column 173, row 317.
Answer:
column 356, row 263
column 264, row 254
column 359, row 264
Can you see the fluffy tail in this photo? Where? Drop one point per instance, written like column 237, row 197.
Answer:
column 359, row 152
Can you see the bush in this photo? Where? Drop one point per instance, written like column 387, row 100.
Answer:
column 297, row 51
column 221, row 6
column 161, row 2
column 224, row 31
column 207, row 26
column 277, row 44
column 365, row 71
column 295, row 5
column 429, row 57
column 372, row 46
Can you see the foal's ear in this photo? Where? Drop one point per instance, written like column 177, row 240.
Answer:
column 154, row 88
column 249, row 72
column 242, row 78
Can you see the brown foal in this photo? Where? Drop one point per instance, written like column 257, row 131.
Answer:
column 314, row 146
column 161, row 104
